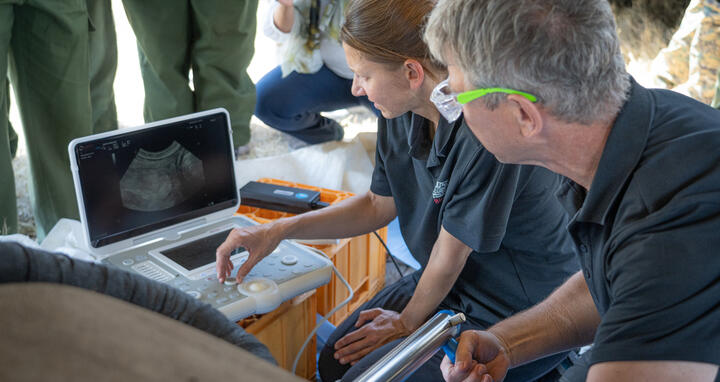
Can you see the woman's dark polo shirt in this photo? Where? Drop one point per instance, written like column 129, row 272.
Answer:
column 508, row 214
column 648, row 231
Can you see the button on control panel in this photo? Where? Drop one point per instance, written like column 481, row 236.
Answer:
column 289, row 260
column 151, row 270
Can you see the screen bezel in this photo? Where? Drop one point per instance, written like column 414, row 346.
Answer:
column 165, row 228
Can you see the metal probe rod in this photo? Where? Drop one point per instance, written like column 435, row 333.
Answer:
column 415, row 350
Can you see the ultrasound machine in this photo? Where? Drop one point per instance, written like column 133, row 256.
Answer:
column 159, row 199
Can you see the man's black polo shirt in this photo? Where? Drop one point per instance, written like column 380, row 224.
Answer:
column 648, row 231
column 508, row 214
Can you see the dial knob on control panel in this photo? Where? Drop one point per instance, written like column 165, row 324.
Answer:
column 289, row 260
column 256, row 286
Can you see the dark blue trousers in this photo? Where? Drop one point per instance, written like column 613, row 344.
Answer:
column 395, row 297
column 293, row 104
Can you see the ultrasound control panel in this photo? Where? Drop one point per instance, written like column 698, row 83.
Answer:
column 188, row 264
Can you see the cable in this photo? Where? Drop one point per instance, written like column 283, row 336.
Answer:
column 397, row 267
column 343, row 303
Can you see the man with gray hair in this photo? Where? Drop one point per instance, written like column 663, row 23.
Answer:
column 643, row 190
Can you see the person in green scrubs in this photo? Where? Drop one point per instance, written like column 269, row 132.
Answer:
column 103, row 65
column 12, row 135
column 44, row 44
column 214, row 39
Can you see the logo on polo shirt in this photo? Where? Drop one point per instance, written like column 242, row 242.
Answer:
column 439, row 191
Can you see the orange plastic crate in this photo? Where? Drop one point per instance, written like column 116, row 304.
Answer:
column 285, row 329
column 361, row 259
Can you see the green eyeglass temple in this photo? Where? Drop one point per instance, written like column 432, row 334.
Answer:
column 468, row 96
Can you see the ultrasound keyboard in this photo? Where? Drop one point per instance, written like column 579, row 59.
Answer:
column 189, row 265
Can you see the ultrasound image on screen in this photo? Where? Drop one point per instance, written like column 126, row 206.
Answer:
column 199, row 252
column 140, row 181
column 158, row 180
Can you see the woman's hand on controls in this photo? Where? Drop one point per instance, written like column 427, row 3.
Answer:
column 259, row 241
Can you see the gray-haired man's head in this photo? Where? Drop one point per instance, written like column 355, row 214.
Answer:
column 566, row 52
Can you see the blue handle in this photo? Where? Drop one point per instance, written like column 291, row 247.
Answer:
column 450, row 347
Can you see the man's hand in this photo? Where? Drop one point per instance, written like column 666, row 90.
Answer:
column 480, row 356
column 384, row 327
column 259, row 240
column 477, row 372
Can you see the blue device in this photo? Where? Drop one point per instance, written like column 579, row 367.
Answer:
column 450, row 347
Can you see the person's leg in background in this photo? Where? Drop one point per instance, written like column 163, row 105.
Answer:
column 103, row 65
column 223, row 45
column 12, row 135
column 293, row 104
column 8, row 204
column 163, row 34
column 49, row 70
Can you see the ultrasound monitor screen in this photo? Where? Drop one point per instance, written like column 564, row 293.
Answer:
column 200, row 252
column 140, row 181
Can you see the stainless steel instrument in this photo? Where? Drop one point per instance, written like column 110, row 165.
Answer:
column 415, row 350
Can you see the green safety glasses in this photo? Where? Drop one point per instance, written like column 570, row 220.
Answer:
column 449, row 104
